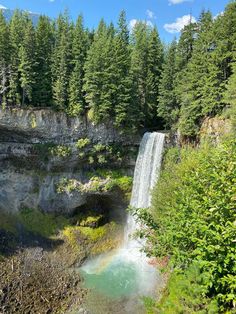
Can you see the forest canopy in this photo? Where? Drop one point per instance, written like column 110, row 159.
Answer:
column 113, row 73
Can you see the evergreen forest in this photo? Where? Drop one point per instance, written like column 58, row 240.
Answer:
column 113, row 73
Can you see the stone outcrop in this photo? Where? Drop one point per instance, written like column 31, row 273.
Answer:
column 215, row 128
column 29, row 174
column 45, row 125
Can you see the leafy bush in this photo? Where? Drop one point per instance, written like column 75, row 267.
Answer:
column 83, row 142
column 195, row 219
column 99, row 181
column 60, row 151
column 99, row 147
column 185, row 293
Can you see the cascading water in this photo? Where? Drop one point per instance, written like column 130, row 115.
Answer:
column 146, row 173
column 127, row 272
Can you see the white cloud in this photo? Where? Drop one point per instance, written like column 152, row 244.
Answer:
column 150, row 14
column 149, row 23
column 219, row 14
column 133, row 22
column 2, row 7
column 177, row 1
column 179, row 24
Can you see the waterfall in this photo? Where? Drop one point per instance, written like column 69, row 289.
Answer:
column 147, row 169
column 128, row 271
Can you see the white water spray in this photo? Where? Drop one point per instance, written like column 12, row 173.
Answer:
column 146, row 173
column 130, row 255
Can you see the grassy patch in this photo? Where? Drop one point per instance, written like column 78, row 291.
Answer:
column 98, row 240
column 44, row 224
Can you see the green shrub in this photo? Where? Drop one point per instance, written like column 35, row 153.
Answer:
column 82, row 143
column 99, row 148
column 102, row 159
column 99, row 181
column 60, row 151
column 195, row 219
column 185, row 293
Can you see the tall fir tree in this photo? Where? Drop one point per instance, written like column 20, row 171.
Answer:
column 99, row 75
column 139, row 69
column 185, row 45
column 27, row 65
column 79, row 52
column 122, row 60
column 44, row 48
column 154, row 70
column 62, row 61
column 4, row 59
column 230, row 95
column 201, row 89
column 168, row 108
column 17, row 27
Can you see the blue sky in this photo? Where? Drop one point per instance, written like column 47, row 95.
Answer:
column 168, row 15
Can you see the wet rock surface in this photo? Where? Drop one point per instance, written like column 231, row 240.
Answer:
column 38, row 149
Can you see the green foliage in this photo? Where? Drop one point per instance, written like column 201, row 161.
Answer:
column 33, row 221
column 99, row 147
column 79, row 52
column 44, row 48
column 33, row 121
column 168, row 108
column 101, row 181
column 194, row 214
column 185, row 293
column 230, row 96
column 82, row 143
column 27, row 63
column 60, row 151
column 40, row 223
column 61, row 62
column 111, row 74
column 46, row 150
column 93, row 234
column 91, row 221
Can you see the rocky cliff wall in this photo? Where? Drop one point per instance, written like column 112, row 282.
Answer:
column 39, row 148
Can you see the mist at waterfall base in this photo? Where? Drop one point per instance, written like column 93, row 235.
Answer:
column 127, row 272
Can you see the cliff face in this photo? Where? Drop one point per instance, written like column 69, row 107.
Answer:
column 215, row 128
column 39, row 148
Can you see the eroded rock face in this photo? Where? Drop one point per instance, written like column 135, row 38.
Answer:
column 46, row 125
column 215, row 128
column 29, row 175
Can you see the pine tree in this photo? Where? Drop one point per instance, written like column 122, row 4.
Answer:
column 225, row 39
column 17, row 27
column 27, row 65
column 123, row 81
column 99, row 76
column 230, row 94
column 44, row 48
column 185, row 45
column 4, row 58
column 168, row 108
column 139, row 69
column 154, row 69
column 201, row 89
column 79, row 52
column 61, row 62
